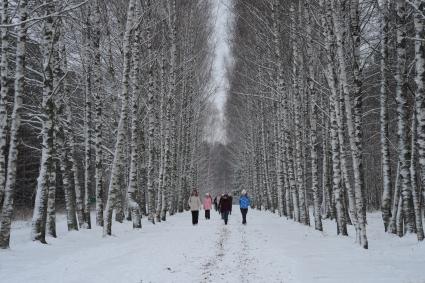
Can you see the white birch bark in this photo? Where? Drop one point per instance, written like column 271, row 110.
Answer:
column 392, row 226
column 132, row 190
column 385, row 151
column 169, row 102
column 57, row 75
column 62, row 139
column 327, row 206
column 87, row 60
column 162, row 129
column 401, row 98
column 65, row 171
column 290, row 167
column 9, row 192
column 72, row 159
column 336, row 158
column 415, row 188
column 359, row 185
column 97, row 89
column 296, row 196
column 354, row 144
column 313, row 124
column 113, row 191
column 348, row 189
column 420, row 108
column 4, row 77
column 151, row 119
column 46, row 178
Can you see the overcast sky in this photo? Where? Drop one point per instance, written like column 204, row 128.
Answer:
column 222, row 18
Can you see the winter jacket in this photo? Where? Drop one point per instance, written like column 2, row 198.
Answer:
column 194, row 203
column 207, row 203
column 244, row 201
column 225, row 203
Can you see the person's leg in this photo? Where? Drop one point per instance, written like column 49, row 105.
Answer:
column 244, row 212
column 193, row 217
column 226, row 217
column 196, row 216
column 207, row 214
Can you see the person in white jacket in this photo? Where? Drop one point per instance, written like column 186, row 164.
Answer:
column 195, row 204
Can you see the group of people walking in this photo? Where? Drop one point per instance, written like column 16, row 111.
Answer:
column 222, row 204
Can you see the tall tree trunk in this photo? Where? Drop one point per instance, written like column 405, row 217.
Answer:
column 385, row 150
column 9, row 191
column 336, row 158
column 401, row 98
column 72, row 159
column 420, row 108
column 4, row 76
column 352, row 133
column 167, row 181
column 327, row 206
column 97, row 89
column 151, row 120
column 113, row 191
column 415, row 188
column 46, row 179
column 87, row 119
column 132, row 190
column 392, row 225
column 313, row 124
column 65, row 170
column 358, row 103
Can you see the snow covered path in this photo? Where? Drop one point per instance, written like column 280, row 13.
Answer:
column 268, row 249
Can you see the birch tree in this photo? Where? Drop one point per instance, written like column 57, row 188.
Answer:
column 419, row 114
column 113, row 191
column 3, row 92
column 386, row 170
column 47, row 178
column 9, row 190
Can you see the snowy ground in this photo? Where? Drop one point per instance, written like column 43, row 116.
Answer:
column 268, row 249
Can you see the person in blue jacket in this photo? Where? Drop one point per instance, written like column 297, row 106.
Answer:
column 244, row 203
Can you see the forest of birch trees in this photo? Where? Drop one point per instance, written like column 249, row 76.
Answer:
column 103, row 106
column 325, row 113
column 106, row 111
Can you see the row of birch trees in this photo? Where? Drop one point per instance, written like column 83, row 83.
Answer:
column 326, row 110
column 109, row 96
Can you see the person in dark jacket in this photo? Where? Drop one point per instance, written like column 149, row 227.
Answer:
column 218, row 204
column 225, row 207
column 244, row 203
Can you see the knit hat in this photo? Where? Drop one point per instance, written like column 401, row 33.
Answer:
column 244, row 192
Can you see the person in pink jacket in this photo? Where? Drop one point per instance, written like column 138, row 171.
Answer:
column 207, row 205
